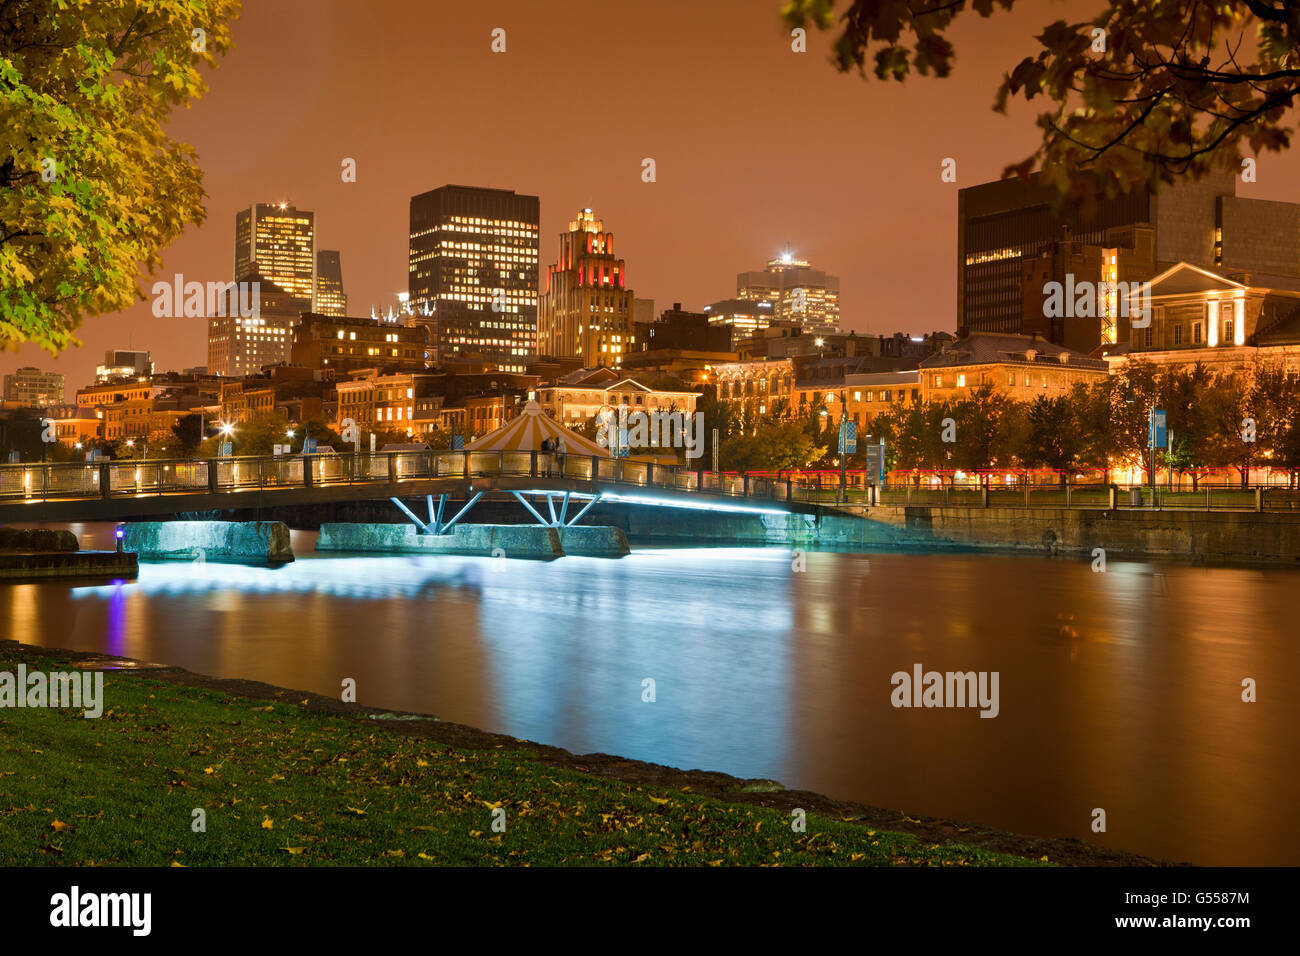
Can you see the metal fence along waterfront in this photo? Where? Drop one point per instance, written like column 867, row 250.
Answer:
column 107, row 480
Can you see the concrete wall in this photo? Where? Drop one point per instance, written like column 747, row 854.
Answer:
column 511, row 541
column 1221, row 537
column 251, row 541
column 1231, row 537
column 65, row 564
column 484, row 540
column 594, row 541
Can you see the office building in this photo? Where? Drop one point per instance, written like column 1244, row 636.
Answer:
column 243, row 345
column 1123, row 262
column 330, row 297
column 278, row 241
column 742, row 317
column 124, row 364
column 344, row 344
column 473, row 256
column 31, row 386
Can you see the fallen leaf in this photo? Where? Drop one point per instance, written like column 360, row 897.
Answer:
column 268, row 824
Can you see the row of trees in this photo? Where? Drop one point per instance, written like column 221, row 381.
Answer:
column 1239, row 420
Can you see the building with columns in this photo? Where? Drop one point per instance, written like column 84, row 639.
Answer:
column 1226, row 320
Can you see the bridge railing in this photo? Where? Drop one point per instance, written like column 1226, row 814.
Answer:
column 129, row 478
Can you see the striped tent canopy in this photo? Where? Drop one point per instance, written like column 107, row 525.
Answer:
column 527, row 431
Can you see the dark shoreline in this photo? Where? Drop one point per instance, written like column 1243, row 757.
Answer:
column 721, row 786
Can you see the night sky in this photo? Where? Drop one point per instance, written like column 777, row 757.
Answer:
column 755, row 146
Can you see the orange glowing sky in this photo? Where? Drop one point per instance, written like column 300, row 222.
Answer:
column 755, row 146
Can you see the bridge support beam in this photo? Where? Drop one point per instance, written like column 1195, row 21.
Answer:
column 585, row 509
column 424, row 528
column 560, row 520
column 435, row 524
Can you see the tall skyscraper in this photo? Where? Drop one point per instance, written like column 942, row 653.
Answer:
column 330, row 297
column 473, row 273
column 1003, row 223
column 796, row 292
column 587, row 310
column 279, row 242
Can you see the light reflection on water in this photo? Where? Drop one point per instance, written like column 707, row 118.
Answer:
column 1118, row 690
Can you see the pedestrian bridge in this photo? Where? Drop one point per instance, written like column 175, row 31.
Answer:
column 570, row 485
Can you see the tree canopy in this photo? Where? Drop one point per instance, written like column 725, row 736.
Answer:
column 1143, row 92
column 91, row 187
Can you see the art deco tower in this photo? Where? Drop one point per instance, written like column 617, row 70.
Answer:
column 586, row 310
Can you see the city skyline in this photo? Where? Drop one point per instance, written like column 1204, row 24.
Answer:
column 759, row 433
column 881, row 219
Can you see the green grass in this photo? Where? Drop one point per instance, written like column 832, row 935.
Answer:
column 284, row 786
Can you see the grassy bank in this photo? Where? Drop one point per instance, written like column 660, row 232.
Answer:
column 282, row 784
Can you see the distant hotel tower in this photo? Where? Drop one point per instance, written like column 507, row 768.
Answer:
column 587, row 309
column 278, row 241
column 796, row 292
column 330, row 297
column 473, row 273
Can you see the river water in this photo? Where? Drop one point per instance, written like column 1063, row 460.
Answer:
column 1119, row 690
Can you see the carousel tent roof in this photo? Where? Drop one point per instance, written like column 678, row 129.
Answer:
column 527, row 431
